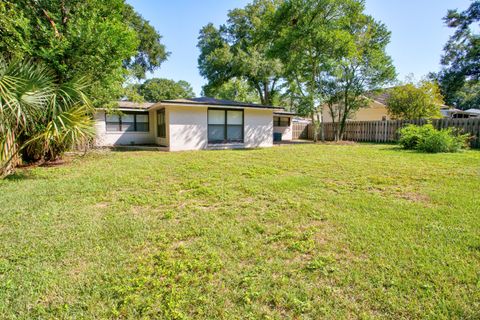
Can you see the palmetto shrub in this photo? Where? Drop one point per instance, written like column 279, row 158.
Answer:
column 39, row 118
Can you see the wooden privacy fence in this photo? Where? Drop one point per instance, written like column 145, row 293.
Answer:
column 387, row 131
column 300, row 130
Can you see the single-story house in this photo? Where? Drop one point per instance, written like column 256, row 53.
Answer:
column 192, row 124
column 460, row 114
column 375, row 111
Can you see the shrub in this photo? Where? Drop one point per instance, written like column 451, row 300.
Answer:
column 427, row 139
column 412, row 135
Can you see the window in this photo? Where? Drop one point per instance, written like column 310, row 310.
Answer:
column 225, row 126
column 161, row 124
column 128, row 121
column 281, row 121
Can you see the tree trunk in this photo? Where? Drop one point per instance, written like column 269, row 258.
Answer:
column 322, row 128
column 314, row 127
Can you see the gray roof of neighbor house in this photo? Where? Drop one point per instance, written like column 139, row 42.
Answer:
column 217, row 102
column 473, row 111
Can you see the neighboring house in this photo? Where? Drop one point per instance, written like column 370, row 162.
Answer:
column 377, row 110
column 192, row 124
column 460, row 114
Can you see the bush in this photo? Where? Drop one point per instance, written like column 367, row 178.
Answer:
column 427, row 139
column 412, row 135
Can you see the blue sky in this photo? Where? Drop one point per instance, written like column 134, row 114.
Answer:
column 418, row 32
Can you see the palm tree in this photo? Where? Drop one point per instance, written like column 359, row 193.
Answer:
column 39, row 119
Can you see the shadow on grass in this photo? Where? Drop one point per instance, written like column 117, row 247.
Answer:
column 19, row 176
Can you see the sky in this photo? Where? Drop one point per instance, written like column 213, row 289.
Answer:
column 418, row 32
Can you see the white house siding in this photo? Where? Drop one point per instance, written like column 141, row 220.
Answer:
column 258, row 128
column 287, row 132
column 110, row 138
column 188, row 129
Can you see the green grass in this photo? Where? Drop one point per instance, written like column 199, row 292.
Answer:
column 306, row 232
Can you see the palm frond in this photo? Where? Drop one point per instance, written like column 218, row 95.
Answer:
column 66, row 130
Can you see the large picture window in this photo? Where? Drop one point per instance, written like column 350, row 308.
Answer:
column 128, row 121
column 225, row 125
column 161, row 124
column 281, row 121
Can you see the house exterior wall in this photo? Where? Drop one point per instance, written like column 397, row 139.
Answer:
column 287, row 132
column 106, row 138
column 258, row 131
column 374, row 112
column 188, row 128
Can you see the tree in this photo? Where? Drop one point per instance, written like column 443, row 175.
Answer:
column 240, row 50
column 459, row 79
column 156, row 89
column 234, row 89
column 101, row 40
column 151, row 53
column 39, row 118
column 412, row 101
column 365, row 67
column 310, row 37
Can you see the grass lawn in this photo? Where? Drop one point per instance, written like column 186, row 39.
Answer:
column 305, row 231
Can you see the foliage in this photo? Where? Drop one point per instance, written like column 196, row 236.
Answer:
column 311, row 37
column 234, row 89
column 445, row 140
column 154, row 90
column 428, row 139
column 150, row 53
column 411, row 135
column 415, row 101
column 240, row 50
column 243, row 235
column 461, row 60
column 99, row 40
column 39, row 118
column 365, row 67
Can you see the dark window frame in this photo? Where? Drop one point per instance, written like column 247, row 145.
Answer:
column 279, row 123
column 225, row 126
column 135, row 127
column 162, row 131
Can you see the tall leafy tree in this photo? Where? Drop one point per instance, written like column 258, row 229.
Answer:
column 364, row 67
column 104, row 40
column 415, row 101
column 310, row 37
column 234, row 89
column 240, row 50
column 154, row 90
column 459, row 80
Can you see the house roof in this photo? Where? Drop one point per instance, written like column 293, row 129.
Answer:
column 217, row 102
column 203, row 101
column 285, row 113
column 134, row 105
column 473, row 111
column 380, row 97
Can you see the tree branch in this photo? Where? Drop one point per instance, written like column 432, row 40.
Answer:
column 52, row 23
